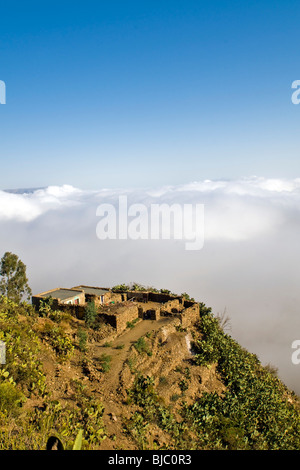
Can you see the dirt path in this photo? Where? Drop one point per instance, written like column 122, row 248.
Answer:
column 119, row 356
column 114, row 410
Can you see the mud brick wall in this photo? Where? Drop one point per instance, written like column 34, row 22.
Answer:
column 172, row 306
column 77, row 311
column 161, row 298
column 108, row 298
column 138, row 296
column 190, row 315
column 114, row 297
column 111, row 319
column 150, row 314
column 126, row 315
column 155, row 314
column 188, row 303
column 92, row 298
column 141, row 312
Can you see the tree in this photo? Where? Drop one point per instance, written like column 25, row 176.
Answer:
column 14, row 282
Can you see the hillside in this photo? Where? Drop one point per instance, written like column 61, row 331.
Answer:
column 156, row 385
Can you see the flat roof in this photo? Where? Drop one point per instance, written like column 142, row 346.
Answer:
column 61, row 293
column 93, row 290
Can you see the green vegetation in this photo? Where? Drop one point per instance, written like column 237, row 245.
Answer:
column 254, row 412
column 251, row 409
column 59, row 340
column 187, row 297
column 135, row 286
column 91, row 314
column 152, row 412
column 82, row 339
column 131, row 361
column 142, row 347
column 163, row 380
column 105, row 361
column 120, row 288
column 23, row 378
column 131, row 324
column 22, row 347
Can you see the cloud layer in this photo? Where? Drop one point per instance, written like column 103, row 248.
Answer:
column 248, row 264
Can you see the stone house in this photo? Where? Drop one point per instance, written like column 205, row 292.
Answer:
column 60, row 296
column 98, row 295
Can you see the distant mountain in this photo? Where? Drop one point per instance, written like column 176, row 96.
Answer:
column 22, row 190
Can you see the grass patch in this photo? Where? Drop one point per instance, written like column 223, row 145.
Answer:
column 105, row 361
column 82, row 339
column 131, row 324
column 142, row 347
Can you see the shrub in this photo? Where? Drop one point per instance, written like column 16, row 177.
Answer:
column 59, row 340
column 131, row 324
column 120, row 288
column 142, row 347
column 22, row 348
column 105, row 361
column 253, row 412
column 82, row 339
column 90, row 314
column 163, row 380
column 183, row 385
column 11, row 398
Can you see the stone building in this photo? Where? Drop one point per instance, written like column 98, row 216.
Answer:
column 60, row 296
column 98, row 295
column 120, row 308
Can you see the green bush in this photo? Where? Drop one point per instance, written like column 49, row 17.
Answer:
column 11, row 398
column 253, row 412
column 60, row 341
column 22, row 347
column 120, row 288
column 105, row 361
column 82, row 339
column 91, row 314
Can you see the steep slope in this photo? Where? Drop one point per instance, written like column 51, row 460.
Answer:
column 155, row 386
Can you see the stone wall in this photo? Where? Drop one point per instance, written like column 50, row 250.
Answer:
column 127, row 315
column 119, row 318
column 151, row 313
column 138, row 296
column 115, row 297
column 162, row 298
column 109, row 297
column 190, row 315
column 188, row 303
column 172, row 306
column 77, row 311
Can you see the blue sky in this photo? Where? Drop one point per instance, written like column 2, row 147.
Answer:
column 140, row 93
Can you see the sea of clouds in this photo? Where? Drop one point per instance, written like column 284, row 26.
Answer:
column 249, row 265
